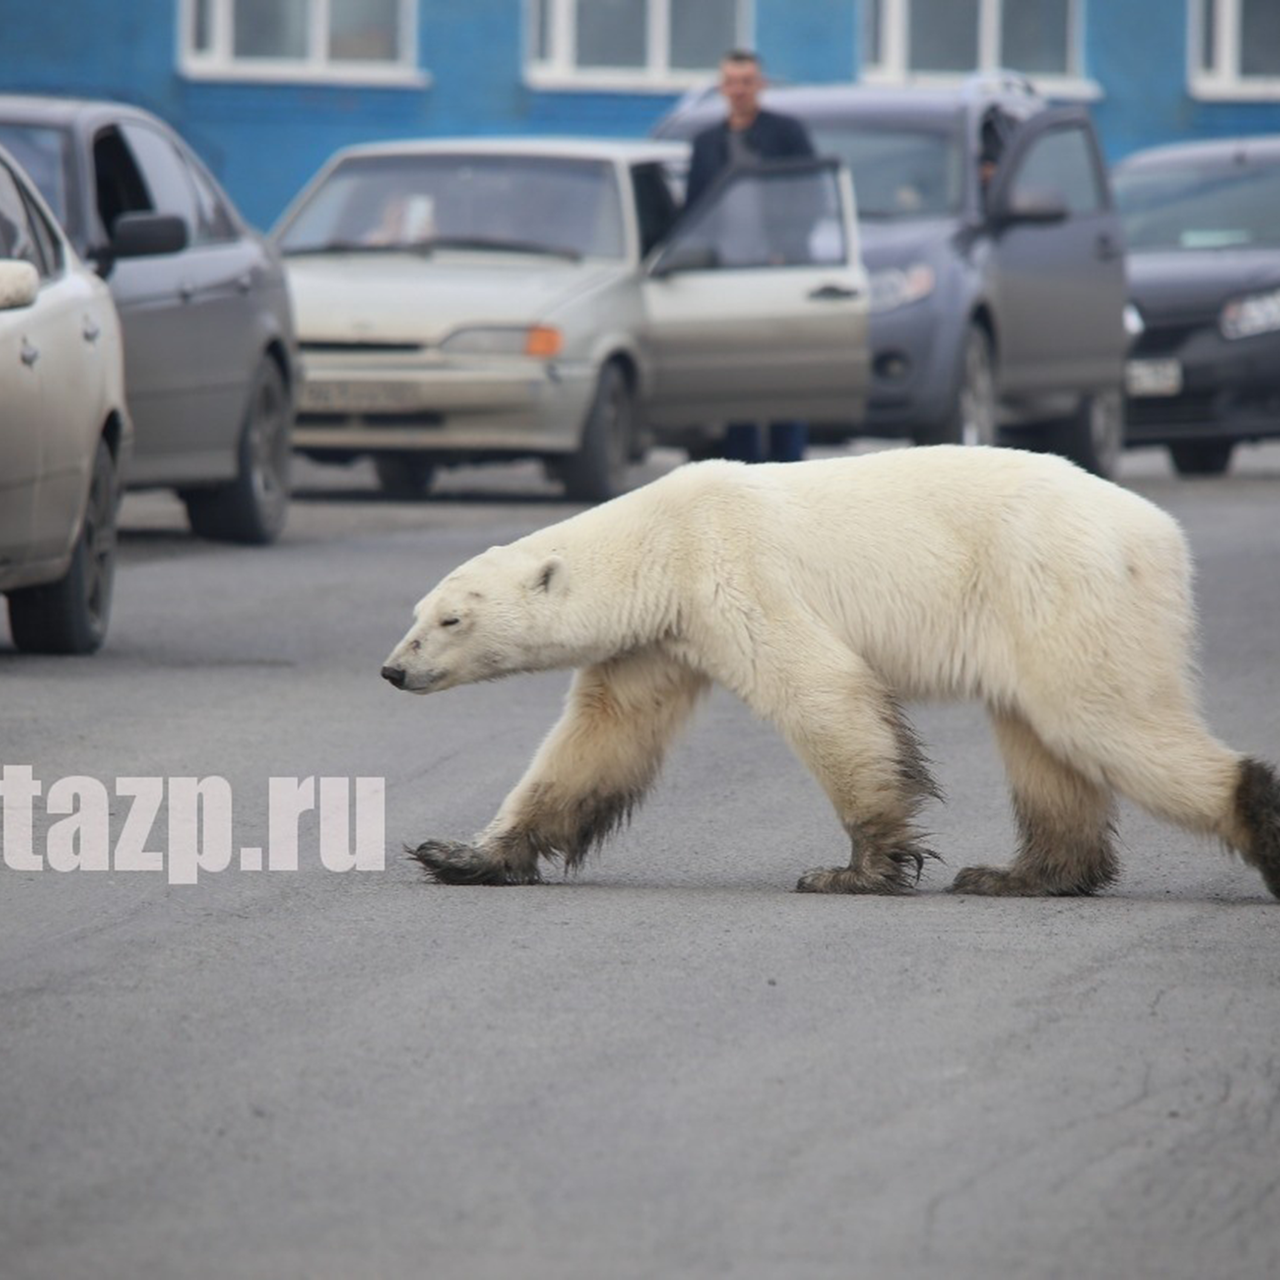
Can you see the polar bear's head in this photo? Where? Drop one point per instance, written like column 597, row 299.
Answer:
column 496, row 615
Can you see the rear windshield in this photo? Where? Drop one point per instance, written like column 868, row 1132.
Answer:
column 1200, row 207
column 898, row 171
column 44, row 151
column 542, row 203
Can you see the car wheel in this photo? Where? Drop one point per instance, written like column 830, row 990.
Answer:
column 253, row 508
column 1093, row 437
column 71, row 615
column 405, row 477
column 598, row 470
column 973, row 419
column 1201, row 457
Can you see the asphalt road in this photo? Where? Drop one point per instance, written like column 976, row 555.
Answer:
column 670, row 1066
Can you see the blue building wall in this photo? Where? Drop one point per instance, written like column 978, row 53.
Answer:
column 265, row 140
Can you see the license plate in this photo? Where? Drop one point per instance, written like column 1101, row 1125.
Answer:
column 359, row 397
column 1153, row 377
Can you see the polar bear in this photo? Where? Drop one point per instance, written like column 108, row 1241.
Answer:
column 825, row 594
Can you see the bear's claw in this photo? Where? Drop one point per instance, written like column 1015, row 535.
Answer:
column 452, row 862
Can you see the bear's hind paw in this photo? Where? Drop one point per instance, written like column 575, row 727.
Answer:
column 452, row 862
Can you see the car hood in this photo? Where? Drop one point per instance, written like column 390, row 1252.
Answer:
column 898, row 243
column 407, row 297
column 1191, row 284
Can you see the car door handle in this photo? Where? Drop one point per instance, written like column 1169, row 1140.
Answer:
column 29, row 353
column 91, row 332
column 1108, row 249
column 186, row 291
column 245, row 282
column 832, row 293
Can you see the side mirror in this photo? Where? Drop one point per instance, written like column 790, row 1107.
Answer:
column 148, row 235
column 1047, row 204
column 684, row 255
column 19, row 284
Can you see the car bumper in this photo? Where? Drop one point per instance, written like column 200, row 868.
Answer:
column 1196, row 385
column 520, row 406
column 913, row 373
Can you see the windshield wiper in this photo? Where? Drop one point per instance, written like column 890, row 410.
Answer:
column 501, row 246
column 344, row 246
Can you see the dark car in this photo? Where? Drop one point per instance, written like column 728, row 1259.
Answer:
column 1202, row 222
column 202, row 298
column 995, row 257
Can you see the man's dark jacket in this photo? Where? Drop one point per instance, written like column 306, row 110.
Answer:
column 769, row 136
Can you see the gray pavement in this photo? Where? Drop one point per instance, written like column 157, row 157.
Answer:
column 669, row 1066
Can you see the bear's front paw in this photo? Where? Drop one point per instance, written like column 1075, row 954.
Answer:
column 851, row 880
column 995, row 882
column 452, row 862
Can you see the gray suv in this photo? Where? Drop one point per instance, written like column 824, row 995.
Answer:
column 995, row 258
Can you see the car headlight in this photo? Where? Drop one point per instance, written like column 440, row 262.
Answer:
column 1134, row 325
column 506, row 340
column 1247, row 317
column 897, row 286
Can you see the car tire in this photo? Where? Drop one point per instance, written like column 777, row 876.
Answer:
column 71, row 614
column 405, row 477
column 1093, row 437
column 973, row 418
column 253, row 508
column 1201, row 457
column 598, row 471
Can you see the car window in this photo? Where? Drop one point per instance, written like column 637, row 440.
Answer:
column 545, row 204
column 118, row 184
column 44, row 153
column 214, row 220
column 1062, row 161
column 165, row 174
column 17, row 237
column 783, row 216
column 1194, row 206
column 656, row 207
column 46, row 238
column 898, row 171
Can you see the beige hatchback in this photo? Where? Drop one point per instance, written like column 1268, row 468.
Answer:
column 464, row 301
column 64, row 430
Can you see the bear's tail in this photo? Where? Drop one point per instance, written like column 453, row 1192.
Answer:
column 1257, row 813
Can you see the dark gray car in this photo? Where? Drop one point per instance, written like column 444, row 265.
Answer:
column 1204, row 273
column 995, row 258
column 202, row 299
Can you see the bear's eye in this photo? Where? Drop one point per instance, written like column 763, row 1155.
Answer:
column 449, row 622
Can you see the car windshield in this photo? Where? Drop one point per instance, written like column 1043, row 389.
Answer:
column 513, row 203
column 1200, row 207
column 899, row 171
column 44, row 152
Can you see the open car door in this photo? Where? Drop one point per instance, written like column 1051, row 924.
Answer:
column 756, row 303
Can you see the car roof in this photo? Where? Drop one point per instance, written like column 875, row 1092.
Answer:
column 625, row 149
column 64, row 112
column 1261, row 149
column 818, row 102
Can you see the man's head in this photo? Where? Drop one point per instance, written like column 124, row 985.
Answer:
column 741, row 80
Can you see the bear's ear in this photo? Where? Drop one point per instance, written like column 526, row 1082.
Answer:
column 549, row 575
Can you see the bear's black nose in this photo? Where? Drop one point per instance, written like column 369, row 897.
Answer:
column 395, row 675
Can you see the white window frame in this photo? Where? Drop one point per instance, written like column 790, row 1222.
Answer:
column 892, row 67
column 220, row 63
column 560, row 70
column 1223, row 81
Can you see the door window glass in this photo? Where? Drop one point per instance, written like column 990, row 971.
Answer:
column 770, row 217
column 17, row 240
column 655, row 205
column 1062, row 161
column 165, row 173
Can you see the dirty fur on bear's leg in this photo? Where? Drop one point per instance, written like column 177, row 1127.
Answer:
column 1065, row 824
column 1257, row 806
column 453, row 862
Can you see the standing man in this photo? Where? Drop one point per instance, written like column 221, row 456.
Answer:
column 748, row 135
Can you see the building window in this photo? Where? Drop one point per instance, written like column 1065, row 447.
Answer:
column 300, row 39
column 631, row 43
column 919, row 39
column 1235, row 48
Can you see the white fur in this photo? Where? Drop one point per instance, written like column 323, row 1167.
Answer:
column 821, row 592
